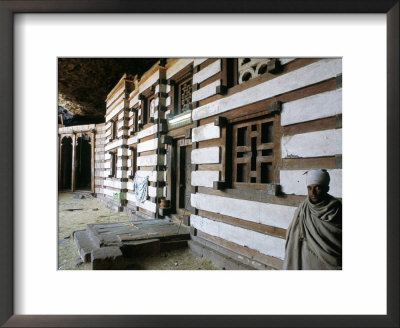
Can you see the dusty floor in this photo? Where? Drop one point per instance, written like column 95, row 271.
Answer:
column 75, row 214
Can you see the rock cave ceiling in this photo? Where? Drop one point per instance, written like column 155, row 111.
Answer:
column 83, row 85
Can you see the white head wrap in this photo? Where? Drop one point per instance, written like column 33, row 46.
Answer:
column 318, row 177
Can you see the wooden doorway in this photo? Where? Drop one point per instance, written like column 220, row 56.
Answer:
column 179, row 177
column 83, row 164
column 66, row 164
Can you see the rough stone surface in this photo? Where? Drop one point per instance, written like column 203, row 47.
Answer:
column 107, row 258
column 85, row 244
column 83, row 83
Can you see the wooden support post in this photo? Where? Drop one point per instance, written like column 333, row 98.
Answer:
column 59, row 159
column 73, row 162
column 92, row 165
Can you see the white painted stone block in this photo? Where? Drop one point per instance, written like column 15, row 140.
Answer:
column 149, row 82
column 107, row 165
column 147, row 205
column 132, row 140
column 206, row 132
column 284, row 61
column 112, row 183
column 108, row 192
column 294, row 182
column 322, row 105
column 155, row 192
column 206, row 155
column 122, row 152
column 206, row 91
column 117, row 94
column 113, row 145
column 264, row 213
column 150, row 160
column 118, row 107
column 168, row 88
column 152, row 175
column 177, row 66
column 147, row 145
column 148, row 131
column 207, row 72
column 130, row 196
column 266, row 244
column 168, row 101
column 204, row 178
column 134, row 101
column 312, row 144
column 198, row 61
column 310, row 74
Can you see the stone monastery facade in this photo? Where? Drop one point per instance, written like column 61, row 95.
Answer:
column 223, row 143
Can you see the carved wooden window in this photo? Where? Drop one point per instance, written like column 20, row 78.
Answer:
column 113, row 166
column 134, row 117
column 114, row 129
column 253, row 152
column 249, row 68
column 181, row 90
column 148, row 109
column 229, row 72
column 133, row 162
column 184, row 96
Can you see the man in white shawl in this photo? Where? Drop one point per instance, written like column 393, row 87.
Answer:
column 314, row 237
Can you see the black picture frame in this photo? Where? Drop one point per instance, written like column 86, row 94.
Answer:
column 7, row 11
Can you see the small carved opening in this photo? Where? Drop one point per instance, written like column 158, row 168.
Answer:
column 245, row 61
column 242, row 136
column 253, row 153
column 83, row 163
column 240, row 173
column 262, row 69
column 254, row 127
column 266, row 152
column 266, row 172
column 246, row 77
column 267, row 132
column 66, row 163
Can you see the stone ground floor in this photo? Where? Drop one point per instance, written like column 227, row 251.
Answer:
column 76, row 213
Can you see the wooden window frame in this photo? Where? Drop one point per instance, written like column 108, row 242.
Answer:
column 266, row 152
column 134, row 126
column 230, row 76
column 114, row 132
column 113, row 166
column 148, row 96
column 133, row 162
column 178, row 79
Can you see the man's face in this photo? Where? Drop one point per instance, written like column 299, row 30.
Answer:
column 316, row 192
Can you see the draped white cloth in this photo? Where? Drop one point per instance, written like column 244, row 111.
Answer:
column 140, row 187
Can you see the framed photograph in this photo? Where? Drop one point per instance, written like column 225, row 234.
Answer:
column 357, row 38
